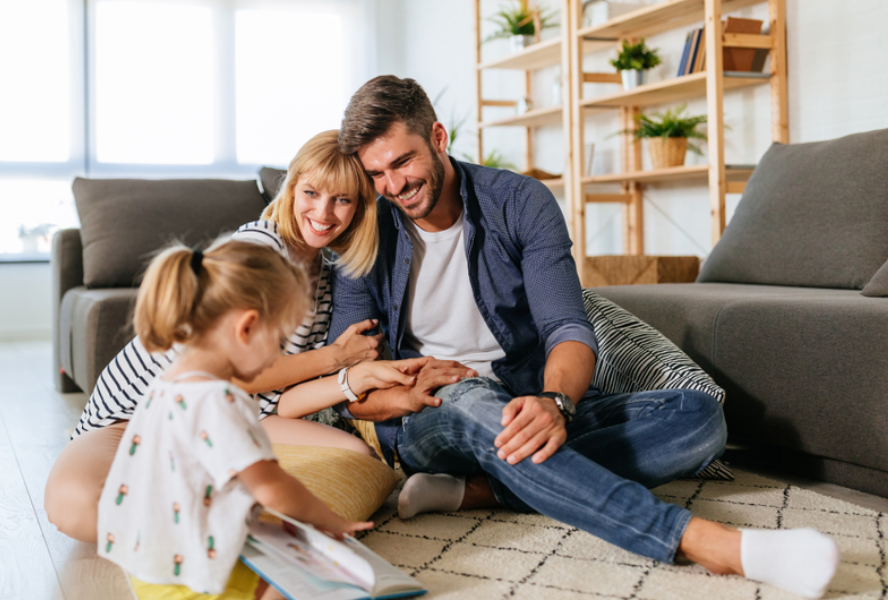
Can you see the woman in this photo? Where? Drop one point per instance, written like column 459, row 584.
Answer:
column 325, row 202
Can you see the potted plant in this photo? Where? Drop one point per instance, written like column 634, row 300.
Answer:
column 667, row 135
column 632, row 61
column 519, row 24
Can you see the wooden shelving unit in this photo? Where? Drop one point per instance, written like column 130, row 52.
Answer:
column 533, row 58
column 710, row 84
column 569, row 49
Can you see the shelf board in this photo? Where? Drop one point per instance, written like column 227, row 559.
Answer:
column 539, row 117
column 536, row 56
column 732, row 173
column 651, row 20
column 673, row 90
column 553, row 184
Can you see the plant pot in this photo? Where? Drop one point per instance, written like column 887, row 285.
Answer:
column 632, row 79
column 519, row 42
column 667, row 152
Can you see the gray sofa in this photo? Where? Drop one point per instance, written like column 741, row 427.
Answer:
column 790, row 311
column 96, row 269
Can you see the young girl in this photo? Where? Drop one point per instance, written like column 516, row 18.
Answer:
column 194, row 458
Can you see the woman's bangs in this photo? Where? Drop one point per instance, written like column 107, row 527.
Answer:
column 338, row 177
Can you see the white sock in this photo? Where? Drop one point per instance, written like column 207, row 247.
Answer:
column 425, row 492
column 801, row 561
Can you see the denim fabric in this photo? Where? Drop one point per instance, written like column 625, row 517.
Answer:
column 618, row 446
column 523, row 276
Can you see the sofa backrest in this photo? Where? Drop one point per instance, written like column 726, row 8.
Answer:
column 813, row 215
column 124, row 221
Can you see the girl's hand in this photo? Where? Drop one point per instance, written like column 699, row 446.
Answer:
column 335, row 526
column 352, row 346
column 379, row 375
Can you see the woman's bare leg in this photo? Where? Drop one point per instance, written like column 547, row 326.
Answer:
column 299, row 432
column 75, row 483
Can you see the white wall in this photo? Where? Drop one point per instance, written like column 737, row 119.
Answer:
column 836, row 87
column 25, row 307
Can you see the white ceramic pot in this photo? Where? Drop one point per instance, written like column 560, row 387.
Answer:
column 519, row 42
column 632, row 79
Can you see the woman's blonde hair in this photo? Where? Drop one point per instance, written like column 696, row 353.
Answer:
column 183, row 294
column 327, row 168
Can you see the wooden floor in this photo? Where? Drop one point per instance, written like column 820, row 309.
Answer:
column 36, row 561
column 39, row 563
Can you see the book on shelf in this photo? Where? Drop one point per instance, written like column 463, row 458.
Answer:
column 309, row 565
column 693, row 57
column 696, row 39
column 684, row 55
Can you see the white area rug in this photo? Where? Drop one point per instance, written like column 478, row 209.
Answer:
column 493, row 554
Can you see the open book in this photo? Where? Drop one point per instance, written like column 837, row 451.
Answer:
column 312, row 566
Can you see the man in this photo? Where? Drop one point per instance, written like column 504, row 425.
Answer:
column 475, row 269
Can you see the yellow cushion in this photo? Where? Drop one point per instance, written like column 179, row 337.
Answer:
column 352, row 484
column 241, row 586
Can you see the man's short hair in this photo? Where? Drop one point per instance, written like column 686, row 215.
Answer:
column 378, row 104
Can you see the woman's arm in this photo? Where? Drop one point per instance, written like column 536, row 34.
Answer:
column 312, row 396
column 349, row 348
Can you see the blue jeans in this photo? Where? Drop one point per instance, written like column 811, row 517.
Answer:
column 617, row 447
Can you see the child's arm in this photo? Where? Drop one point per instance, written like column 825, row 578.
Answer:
column 273, row 488
column 312, row 396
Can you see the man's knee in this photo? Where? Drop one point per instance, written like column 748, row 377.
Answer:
column 706, row 424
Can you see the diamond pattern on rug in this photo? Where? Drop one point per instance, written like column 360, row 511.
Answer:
column 498, row 554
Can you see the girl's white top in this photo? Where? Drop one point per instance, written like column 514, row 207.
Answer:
column 172, row 510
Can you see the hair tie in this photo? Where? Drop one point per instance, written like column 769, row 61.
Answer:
column 196, row 260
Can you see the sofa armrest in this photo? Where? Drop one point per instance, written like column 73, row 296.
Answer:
column 66, row 265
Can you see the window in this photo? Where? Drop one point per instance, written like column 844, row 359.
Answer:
column 162, row 88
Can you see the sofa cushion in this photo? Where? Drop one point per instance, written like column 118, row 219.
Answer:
column 878, row 285
column 271, row 180
column 812, row 215
column 123, row 221
column 94, row 325
column 808, row 373
column 635, row 357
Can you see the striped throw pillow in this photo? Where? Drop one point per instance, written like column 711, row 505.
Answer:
column 635, row 357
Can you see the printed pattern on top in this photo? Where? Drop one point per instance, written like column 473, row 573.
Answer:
column 172, row 510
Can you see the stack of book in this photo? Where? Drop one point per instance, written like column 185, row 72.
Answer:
column 693, row 57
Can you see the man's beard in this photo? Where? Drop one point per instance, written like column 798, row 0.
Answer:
column 434, row 185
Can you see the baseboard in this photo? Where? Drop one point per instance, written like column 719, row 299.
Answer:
column 27, row 335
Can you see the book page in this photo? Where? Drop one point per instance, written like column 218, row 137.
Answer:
column 300, row 552
column 389, row 578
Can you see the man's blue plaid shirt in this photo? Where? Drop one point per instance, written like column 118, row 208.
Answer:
column 522, row 273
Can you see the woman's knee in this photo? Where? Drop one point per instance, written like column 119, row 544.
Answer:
column 710, row 430
column 76, row 480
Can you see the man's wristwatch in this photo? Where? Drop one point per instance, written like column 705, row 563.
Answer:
column 563, row 402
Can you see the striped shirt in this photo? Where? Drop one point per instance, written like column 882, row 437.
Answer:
column 125, row 380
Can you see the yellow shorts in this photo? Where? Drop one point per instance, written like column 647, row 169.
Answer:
column 241, row 586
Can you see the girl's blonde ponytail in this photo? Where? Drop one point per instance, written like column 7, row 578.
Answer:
column 178, row 300
column 166, row 299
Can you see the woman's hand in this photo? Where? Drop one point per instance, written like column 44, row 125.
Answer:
column 369, row 375
column 352, row 346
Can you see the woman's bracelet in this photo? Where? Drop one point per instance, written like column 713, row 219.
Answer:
column 346, row 389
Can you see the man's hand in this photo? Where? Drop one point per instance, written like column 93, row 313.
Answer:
column 352, row 346
column 532, row 425
column 434, row 375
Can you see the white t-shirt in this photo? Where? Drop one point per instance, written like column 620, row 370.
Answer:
column 442, row 317
column 171, row 511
